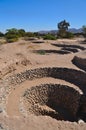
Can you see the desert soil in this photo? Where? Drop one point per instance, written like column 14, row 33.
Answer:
column 18, row 57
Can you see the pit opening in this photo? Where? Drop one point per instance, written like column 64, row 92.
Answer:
column 70, row 49
column 76, row 77
column 43, row 52
column 79, row 62
column 69, row 46
column 65, row 49
column 57, row 101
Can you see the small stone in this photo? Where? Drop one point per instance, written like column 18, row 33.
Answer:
column 1, row 110
column 80, row 121
column 1, row 127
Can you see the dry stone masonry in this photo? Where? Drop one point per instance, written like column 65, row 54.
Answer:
column 73, row 76
column 64, row 49
column 70, row 46
column 79, row 62
column 55, row 100
column 52, row 96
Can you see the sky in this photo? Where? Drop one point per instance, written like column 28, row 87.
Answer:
column 36, row 15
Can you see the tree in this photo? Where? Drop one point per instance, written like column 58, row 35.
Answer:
column 63, row 27
column 12, row 35
column 29, row 34
column 1, row 34
column 21, row 32
column 12, row 31
column 84, row 30
column 49, row 37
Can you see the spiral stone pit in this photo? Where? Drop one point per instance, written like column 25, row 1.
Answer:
column 43, row 52
column 70, row 46
column 71, row 75
column 49, row 93
column 74, row 98
column 58, row 101
column 79, row 62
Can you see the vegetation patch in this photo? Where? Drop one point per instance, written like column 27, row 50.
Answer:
column 41, row 52
column 49, row 37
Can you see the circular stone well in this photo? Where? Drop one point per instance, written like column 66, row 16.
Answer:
column 57, row 101
column 79, row 62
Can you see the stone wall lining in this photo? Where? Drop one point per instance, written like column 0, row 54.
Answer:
column 53, row 96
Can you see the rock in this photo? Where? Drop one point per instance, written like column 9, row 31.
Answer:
column 1, row 110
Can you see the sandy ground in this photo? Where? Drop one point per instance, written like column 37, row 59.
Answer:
column 18, row 57
column 13, row 109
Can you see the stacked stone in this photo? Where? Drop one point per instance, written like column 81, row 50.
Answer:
column 46, row 94
column 80, row 62
column 74, row 76
column 81, row 114
column 70, row 49
column 28, row 75
column 52, row 51
column 70, row 46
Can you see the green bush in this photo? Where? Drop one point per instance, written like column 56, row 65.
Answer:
column 21, row 32
column 41, row 52
column 1, row 34
column 49, row 37
column 69, row 35
column 11, row 35
column 65, row 34
column 61, row 34
column 12, row 39
column 29, row 34
column 84, row 30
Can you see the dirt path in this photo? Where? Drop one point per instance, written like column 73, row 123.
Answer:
column 14, row 96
